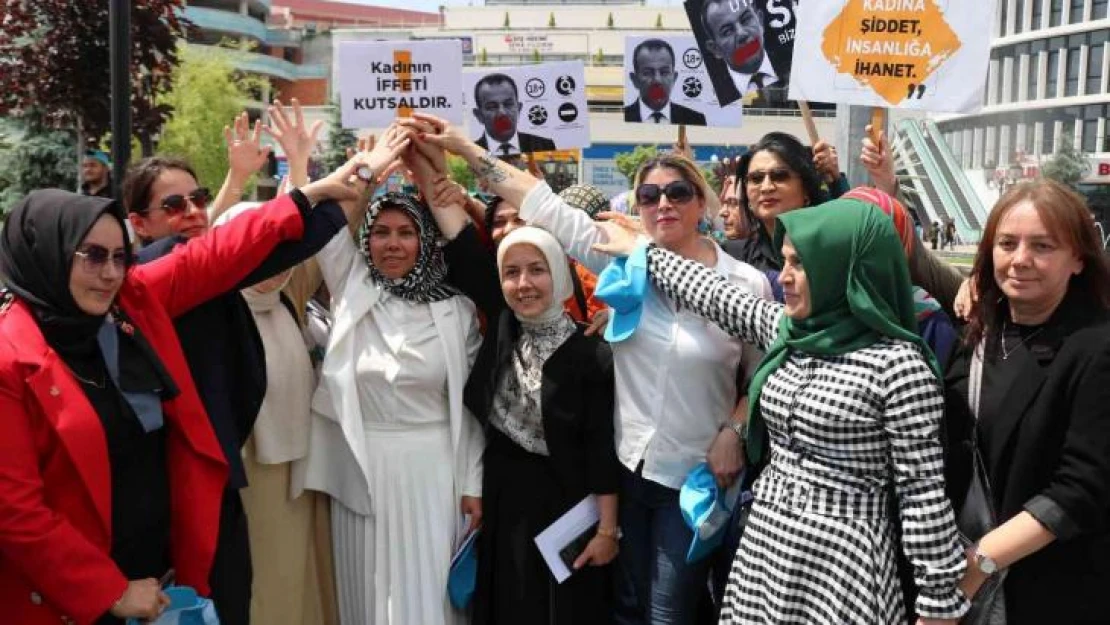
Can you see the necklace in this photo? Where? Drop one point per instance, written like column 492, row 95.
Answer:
column 1006, row 352
column 92, row 383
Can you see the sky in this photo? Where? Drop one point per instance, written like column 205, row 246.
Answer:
column 433, row 5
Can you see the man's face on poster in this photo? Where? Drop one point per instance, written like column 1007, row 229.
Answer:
column 735, row 36
column 654, row 76
column 497, row 109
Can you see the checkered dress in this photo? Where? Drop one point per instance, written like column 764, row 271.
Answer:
column 819, row 546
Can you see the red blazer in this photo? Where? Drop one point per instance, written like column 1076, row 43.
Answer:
column 55, row 482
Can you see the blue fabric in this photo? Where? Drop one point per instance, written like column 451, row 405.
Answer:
column 463, row 574
column 146, row 406
column 186, row 608
column 706, row 510
column 940, row 335
column 655, row 584
column 622, row 285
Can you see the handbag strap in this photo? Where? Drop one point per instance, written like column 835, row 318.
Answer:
column 974, row 389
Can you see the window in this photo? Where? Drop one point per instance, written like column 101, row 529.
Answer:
column 1055, row 14
column 1015, row 79
column 1090, row 135
column 1034, row 69
column 1076, row 16
column 1030, row 137
column 1049, row 139
column 1052, row 74
column 1094, row 67
column 1098, row 9
column 1071, row 76
column 1019, row 16
column 1037, row 15
column 1002, row 15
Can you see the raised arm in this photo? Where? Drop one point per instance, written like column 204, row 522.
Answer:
column 731, row 306
column 245, row 157
column 913, row 410
column 940, row 279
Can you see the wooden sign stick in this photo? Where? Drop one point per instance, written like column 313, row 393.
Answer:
column 807, row 118
column 878, row 124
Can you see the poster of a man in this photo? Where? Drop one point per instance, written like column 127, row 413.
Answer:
column 653, row 75
column 497, row 108
column 747, row 44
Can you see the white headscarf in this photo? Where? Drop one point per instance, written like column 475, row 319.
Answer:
column 557, row 264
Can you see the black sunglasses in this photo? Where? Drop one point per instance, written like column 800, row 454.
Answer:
column 176, row 204
column 778, row 175
column 677, row 192
column 95, row 257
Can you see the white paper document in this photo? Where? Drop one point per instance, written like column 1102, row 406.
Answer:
column 567, row 530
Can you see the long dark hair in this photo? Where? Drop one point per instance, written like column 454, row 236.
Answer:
column 1065, row 215
column 794, row 155
column 141, row 176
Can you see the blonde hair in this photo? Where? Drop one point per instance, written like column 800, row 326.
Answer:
column 689, row 172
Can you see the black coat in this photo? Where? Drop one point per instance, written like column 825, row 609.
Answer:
column 577, row 388
column 679, row 114
column 1048, row 451
column 528, row 143
column 221, row 342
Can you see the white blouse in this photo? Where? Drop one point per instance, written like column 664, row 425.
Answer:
column 401, row 366
column 676, row 375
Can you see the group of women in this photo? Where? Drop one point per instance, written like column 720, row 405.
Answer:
column 458, row 392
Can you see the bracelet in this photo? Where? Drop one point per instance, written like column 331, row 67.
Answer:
column 612, row 533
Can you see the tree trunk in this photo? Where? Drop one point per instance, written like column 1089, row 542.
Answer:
column 80, row 151
column 146, row 145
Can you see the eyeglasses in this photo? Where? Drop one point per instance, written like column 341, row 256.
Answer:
column 677, row 192
column 778, row 176
column 176, row 204
column 95, row 257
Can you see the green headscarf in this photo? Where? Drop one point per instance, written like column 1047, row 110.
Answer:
column 859, row 289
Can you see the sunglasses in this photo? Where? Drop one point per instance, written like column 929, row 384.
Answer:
column 777, row 176
column 176, row 204
column 677, row 192
column 94, row 257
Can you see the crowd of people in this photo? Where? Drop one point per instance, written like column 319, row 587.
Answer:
column 300, row 408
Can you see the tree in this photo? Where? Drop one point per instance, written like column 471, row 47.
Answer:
column 551, row 20
column 207, row 94
column 659, row 21
column 460, row 172
column 628, row 163
column 507, row 23
column 33, row 157
column 536, row 55
column 483, row 57
column 1067, row 165
column 339, row 139
column 54, row 58
column 599, row 57
column 609, row 21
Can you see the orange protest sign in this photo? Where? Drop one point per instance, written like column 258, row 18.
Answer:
column 890, row 45
column 915, row 54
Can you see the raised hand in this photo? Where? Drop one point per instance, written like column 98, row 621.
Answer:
column 439, row 132
column 296, row 139
column 620, row 240
column 877, row 159
column 245, row 154
column 825, row 161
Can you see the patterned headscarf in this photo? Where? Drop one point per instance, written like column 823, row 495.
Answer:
column 425, row 283
column 903, row 224
column 587, row 198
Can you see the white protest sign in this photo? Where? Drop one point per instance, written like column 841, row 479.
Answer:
column 910, row 54
column 382, row 80
column 665, row 82
column 532, row 108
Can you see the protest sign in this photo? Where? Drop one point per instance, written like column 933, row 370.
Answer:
column 912, row 54
column 747, row 44
column 665, row 82
column 382, row 80
column 532, row 108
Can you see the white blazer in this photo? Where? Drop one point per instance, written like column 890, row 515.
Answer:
column 336, row 463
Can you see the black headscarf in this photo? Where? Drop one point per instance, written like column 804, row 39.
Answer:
column 36, row 257
column 427, row 282
column 36, row 254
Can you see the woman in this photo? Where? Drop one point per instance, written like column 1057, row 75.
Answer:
column 775, row 176
column 110, row 473
column 1039, row 330
column 676, row 390
column 391, row 441
column 846, row 404
column 544, row 391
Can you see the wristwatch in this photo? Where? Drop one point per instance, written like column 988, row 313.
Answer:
column 366, row 173
column 985, row 563
column 740, row 427
column 613, row 533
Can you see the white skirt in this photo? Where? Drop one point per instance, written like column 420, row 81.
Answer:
column 391, row 567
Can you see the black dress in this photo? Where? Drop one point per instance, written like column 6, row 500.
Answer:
column 524, row 492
